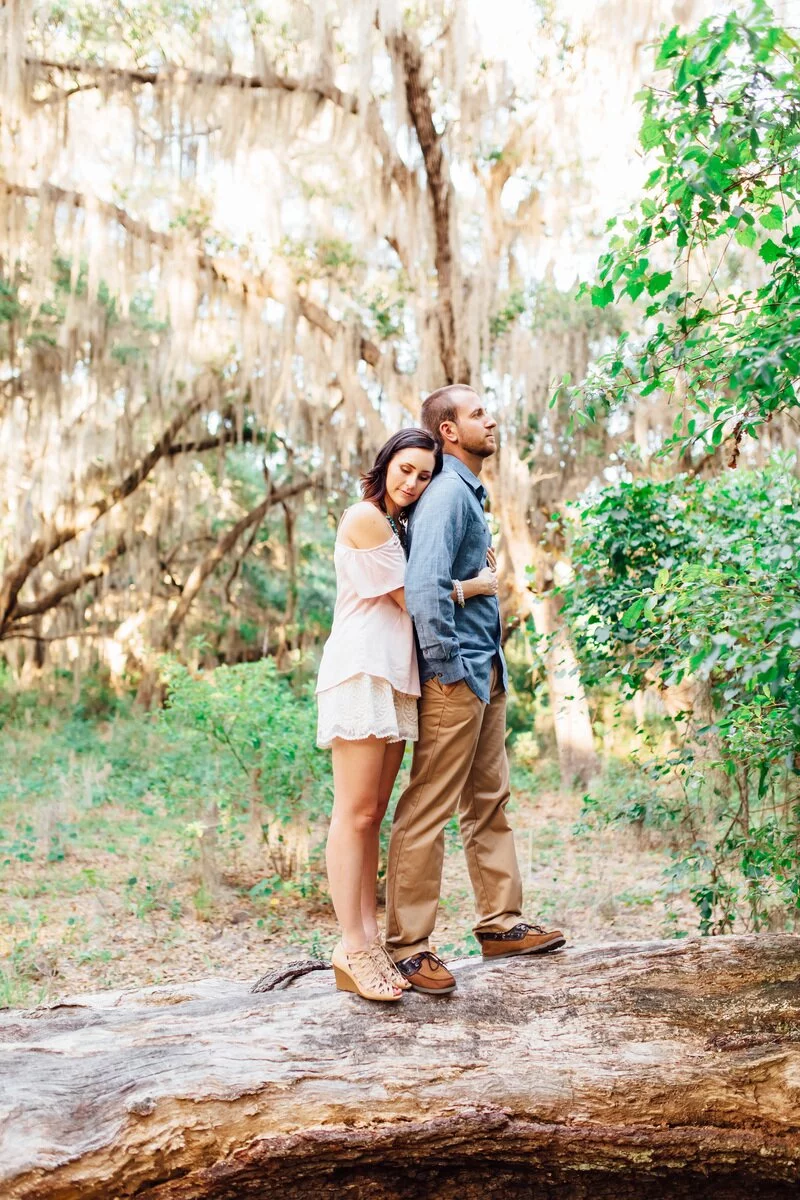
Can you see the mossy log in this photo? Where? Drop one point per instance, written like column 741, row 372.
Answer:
column 657, row 1069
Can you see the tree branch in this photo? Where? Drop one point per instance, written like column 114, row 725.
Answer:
column 407, row 52
column 248, row 546
column 57, row 536
column 168, row 75
column 203, row 569
column 227, row 438
column 101, row 75
column 226, row 271
column 28, row 635
column 69, row 586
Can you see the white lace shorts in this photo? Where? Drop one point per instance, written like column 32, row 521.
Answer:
column 365, row 706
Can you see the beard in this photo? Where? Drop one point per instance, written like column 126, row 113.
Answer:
column 480, row 449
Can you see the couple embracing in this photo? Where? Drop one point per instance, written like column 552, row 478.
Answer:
column 414, row 557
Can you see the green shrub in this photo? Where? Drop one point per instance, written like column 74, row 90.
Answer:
column 694, row 583
column 97, row 698
column 251, row 717
column 626, row 793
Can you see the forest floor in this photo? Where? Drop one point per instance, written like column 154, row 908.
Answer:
column 106, row 895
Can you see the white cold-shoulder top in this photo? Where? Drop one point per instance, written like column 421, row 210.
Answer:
column 371, row 634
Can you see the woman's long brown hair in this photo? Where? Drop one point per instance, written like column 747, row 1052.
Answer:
column 373, row 483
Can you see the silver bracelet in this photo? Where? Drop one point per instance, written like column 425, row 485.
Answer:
column 458, row 587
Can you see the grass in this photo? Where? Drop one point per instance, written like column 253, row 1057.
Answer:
column 102, row 880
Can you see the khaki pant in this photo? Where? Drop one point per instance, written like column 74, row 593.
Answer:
column 459, row 763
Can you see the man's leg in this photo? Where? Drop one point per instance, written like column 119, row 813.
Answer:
column 450, row 721
column 487, row 836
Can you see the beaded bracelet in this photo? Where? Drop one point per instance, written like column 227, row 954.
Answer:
column 459, row 591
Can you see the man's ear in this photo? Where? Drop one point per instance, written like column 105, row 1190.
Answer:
column 448, row 432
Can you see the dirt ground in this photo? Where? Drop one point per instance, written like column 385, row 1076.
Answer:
column 119, row 906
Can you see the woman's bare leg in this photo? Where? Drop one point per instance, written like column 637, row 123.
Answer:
column 393, row 756
column 358, row 769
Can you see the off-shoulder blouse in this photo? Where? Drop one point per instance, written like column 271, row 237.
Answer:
column 371, row 634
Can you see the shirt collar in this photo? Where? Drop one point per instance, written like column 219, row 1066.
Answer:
column 451, row 463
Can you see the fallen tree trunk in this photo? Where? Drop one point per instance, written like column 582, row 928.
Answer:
column 660, row 1069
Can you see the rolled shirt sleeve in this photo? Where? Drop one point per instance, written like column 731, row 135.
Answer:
column 437, row 530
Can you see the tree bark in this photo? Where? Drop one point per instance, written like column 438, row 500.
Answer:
column 577, row 757
column 406, row 51
column 659, row 1069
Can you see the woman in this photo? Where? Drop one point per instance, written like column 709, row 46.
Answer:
column 367, row 694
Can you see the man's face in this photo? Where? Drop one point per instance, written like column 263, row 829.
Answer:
column 474, row 425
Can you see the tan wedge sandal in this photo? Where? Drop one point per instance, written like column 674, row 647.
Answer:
column 390, row 969
column 362, row 972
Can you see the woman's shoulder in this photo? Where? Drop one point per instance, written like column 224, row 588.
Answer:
column 364, row 527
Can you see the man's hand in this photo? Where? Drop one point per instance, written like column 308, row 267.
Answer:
column 491, row 559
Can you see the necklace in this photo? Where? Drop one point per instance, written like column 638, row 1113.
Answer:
column 398, row 530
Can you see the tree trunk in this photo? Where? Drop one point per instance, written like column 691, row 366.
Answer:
column 406, row 50
column 577, row 758
column 660, row 1069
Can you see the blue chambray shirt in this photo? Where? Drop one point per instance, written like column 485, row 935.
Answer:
column 447, row 539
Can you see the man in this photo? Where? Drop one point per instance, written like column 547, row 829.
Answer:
column 460, row 758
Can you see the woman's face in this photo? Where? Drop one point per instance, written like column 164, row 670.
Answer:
column 408, row 474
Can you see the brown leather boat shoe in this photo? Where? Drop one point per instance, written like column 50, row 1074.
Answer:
column 427, row 973
column 522, row 939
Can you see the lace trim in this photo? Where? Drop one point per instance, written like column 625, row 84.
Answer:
column 366, row 706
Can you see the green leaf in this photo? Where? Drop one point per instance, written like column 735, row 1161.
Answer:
column 633, row 613
column 650, row 133
column 773, row 218
column 603, row 296
column 746, row 236
column 769, row 252
column 661, row 581
column 673, row 43
column 658, row 281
